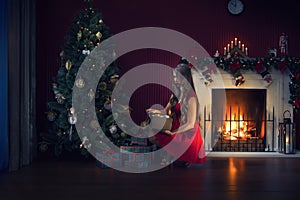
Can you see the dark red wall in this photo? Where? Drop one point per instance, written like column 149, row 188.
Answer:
column 208, row 22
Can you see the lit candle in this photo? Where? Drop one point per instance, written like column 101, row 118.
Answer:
column 246, row 51
column 224, row 51
column 231, row 44
column 287, row 142
column 239, row 44
column 243, row 47
column 228, row 47
column 235, row 41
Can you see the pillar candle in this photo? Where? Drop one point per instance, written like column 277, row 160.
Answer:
column 235, row 41
column 239, row 44
column 243, row 47
column 231, row 44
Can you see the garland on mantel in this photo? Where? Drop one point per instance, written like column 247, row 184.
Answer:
column 263, row 66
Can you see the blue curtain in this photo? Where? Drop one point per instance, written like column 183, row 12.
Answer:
column 3, row 84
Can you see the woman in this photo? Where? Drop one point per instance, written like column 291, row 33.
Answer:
column 185, row 126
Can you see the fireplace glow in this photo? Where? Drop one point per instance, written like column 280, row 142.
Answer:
column 235, row 129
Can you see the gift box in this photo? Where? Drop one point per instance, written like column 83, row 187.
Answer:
column 139, row 141
column 108, row 159
column 160, row 121
column 135, row 157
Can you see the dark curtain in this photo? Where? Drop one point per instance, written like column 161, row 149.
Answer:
column 3, row 85
column 21, row 106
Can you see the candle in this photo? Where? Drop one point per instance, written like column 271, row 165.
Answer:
column 231, row 44
column 239, row 44
column 235, row 41
column 246, row 51
column 228, row 47
column 224, row 51
column 243, row 47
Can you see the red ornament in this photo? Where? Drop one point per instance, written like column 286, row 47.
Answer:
column 297, row 76
column 259, row 67
column 296, row 103
column 282, row 66
column 234, row 66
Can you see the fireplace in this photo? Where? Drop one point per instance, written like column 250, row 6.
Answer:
column 242, row 127
column 250, row 113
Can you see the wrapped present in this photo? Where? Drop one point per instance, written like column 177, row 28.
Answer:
column 139, row 141
column 135, row 157
column 160, row 121
column 108, row 159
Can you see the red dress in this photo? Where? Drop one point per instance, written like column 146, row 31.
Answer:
column 195, row 153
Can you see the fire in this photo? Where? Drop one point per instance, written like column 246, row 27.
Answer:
column 235, row 128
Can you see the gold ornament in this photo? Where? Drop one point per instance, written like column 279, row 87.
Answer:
column 98, row 35
column 51, row 116
column 80, row 83
column 107, row 104
column 114, row 54
column 79, row 35
column 72, row 110
column 91, row 94
column 94, row 124
column 114, row 78
column 68, row 65
column 102, row 86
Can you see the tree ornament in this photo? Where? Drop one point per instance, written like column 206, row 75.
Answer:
column 91, row 94
column 114, row 79
column 85, row 143
column 72, row 120
column 80, row 83
column 123, row 134
column 94, row 124
column 43, row 147
column 72, row 110
column 60, row 98
column 86, row 52
column 113, row 129
column 114, row 54
column 51, row 116
column 107, row 104
column 100, row 21
column 79, row 35
column 98, row 35
column 102, row 86
column 68, row 65
column 61, row 54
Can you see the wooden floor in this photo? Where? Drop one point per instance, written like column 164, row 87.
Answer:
column 219, row 178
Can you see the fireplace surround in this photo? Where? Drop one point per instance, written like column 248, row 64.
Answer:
column 274, row 97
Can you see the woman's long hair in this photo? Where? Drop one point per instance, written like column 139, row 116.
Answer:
column 180, row 89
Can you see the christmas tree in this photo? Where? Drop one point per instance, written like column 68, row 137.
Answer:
column 86, row 33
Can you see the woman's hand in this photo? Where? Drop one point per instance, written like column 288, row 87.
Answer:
column 169, row 132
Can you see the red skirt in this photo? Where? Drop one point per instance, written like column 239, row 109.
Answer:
column 195, row 153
